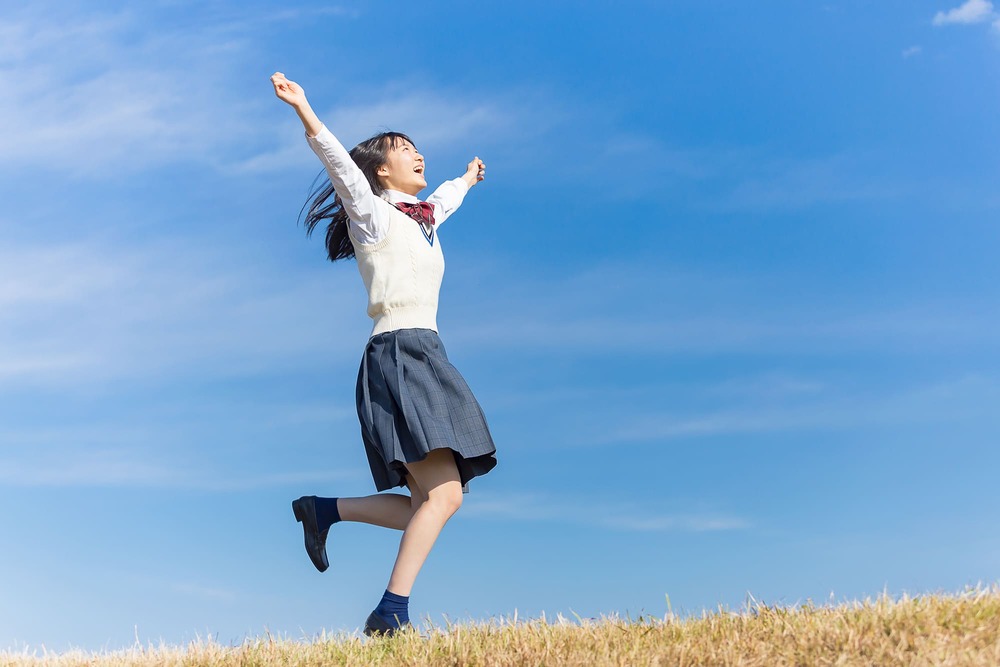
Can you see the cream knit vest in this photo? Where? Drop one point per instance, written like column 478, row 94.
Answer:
column 402, row 274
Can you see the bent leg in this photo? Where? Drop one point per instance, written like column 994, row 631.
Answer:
column 438, row 480
column 389, row 510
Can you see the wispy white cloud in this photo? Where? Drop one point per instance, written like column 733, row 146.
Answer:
column 96, row 93
column 593, row 312
column 613, row 158
column 135, row 466
column 966, row 399
column 177, row 441
column 437, row 118
column 92, row 93
column 127, row 311
column 971, row 11
column 912, row 51
column 86, row 93
column 771, row 384
column 598, row 512
column 775, row 183
column 736, row 178
column 241, row 21
column 755, row 389
column 433, row 118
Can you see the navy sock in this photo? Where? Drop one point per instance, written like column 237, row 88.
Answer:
column 326, row 513
column 394, row 608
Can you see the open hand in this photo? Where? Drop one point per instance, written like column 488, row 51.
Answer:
column 288, row 91
column 475, row 172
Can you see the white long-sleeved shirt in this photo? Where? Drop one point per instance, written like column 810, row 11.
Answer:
column 370, row 223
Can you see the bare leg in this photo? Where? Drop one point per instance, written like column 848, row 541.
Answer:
column 389, row 510
column 438, row 481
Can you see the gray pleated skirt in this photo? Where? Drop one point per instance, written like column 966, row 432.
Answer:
column 411, row 400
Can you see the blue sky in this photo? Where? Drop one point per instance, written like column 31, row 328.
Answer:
column 729, row 298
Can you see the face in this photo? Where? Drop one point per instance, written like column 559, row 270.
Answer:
column 403, row 169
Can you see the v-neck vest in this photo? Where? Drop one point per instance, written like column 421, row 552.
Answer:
column 402, row 274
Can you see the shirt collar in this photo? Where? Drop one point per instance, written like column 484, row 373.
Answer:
column 395, row 196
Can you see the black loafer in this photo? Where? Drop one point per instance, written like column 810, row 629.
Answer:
column 305, row 513
column 376, row 626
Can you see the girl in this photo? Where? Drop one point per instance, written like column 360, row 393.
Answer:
column 421, row 426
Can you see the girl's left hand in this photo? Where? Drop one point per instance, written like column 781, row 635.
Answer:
column 475, row 172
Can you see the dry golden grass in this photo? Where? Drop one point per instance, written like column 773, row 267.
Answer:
column 939, row 630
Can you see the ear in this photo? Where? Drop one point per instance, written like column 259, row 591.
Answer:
column 382, row 171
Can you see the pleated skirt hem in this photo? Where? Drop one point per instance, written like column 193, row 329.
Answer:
column 411, row 400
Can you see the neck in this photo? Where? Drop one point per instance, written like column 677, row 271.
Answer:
column 411, row 190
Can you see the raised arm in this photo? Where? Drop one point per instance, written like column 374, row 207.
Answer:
column 450, row 194
column 349, row 182
column 292, row 94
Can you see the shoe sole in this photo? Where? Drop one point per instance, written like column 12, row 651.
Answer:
column 390, row 631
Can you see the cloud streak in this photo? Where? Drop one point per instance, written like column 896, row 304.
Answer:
column 607, row 515
column 92, row 95
column 166, row 309
column 438, row 119
column 75, row 466
column 970, row 12
column 89, row 91
column 591, row 313
column 962, row 400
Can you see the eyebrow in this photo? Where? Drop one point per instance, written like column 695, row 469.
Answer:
column 400, row 142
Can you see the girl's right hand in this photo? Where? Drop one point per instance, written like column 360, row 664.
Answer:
column 288, row 91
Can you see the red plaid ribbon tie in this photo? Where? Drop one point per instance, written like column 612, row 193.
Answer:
column 421, row 211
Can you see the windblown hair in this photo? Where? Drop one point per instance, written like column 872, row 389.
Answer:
column 324, row 203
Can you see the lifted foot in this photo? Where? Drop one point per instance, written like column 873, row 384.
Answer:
column 305, row 513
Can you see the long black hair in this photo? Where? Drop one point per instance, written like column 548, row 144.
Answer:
column 324, row 202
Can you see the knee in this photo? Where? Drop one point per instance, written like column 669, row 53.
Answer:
column 446, row 499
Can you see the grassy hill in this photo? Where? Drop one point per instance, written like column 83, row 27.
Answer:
column 939, row 630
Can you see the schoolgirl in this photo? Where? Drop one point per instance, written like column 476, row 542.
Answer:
column 421, row 426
